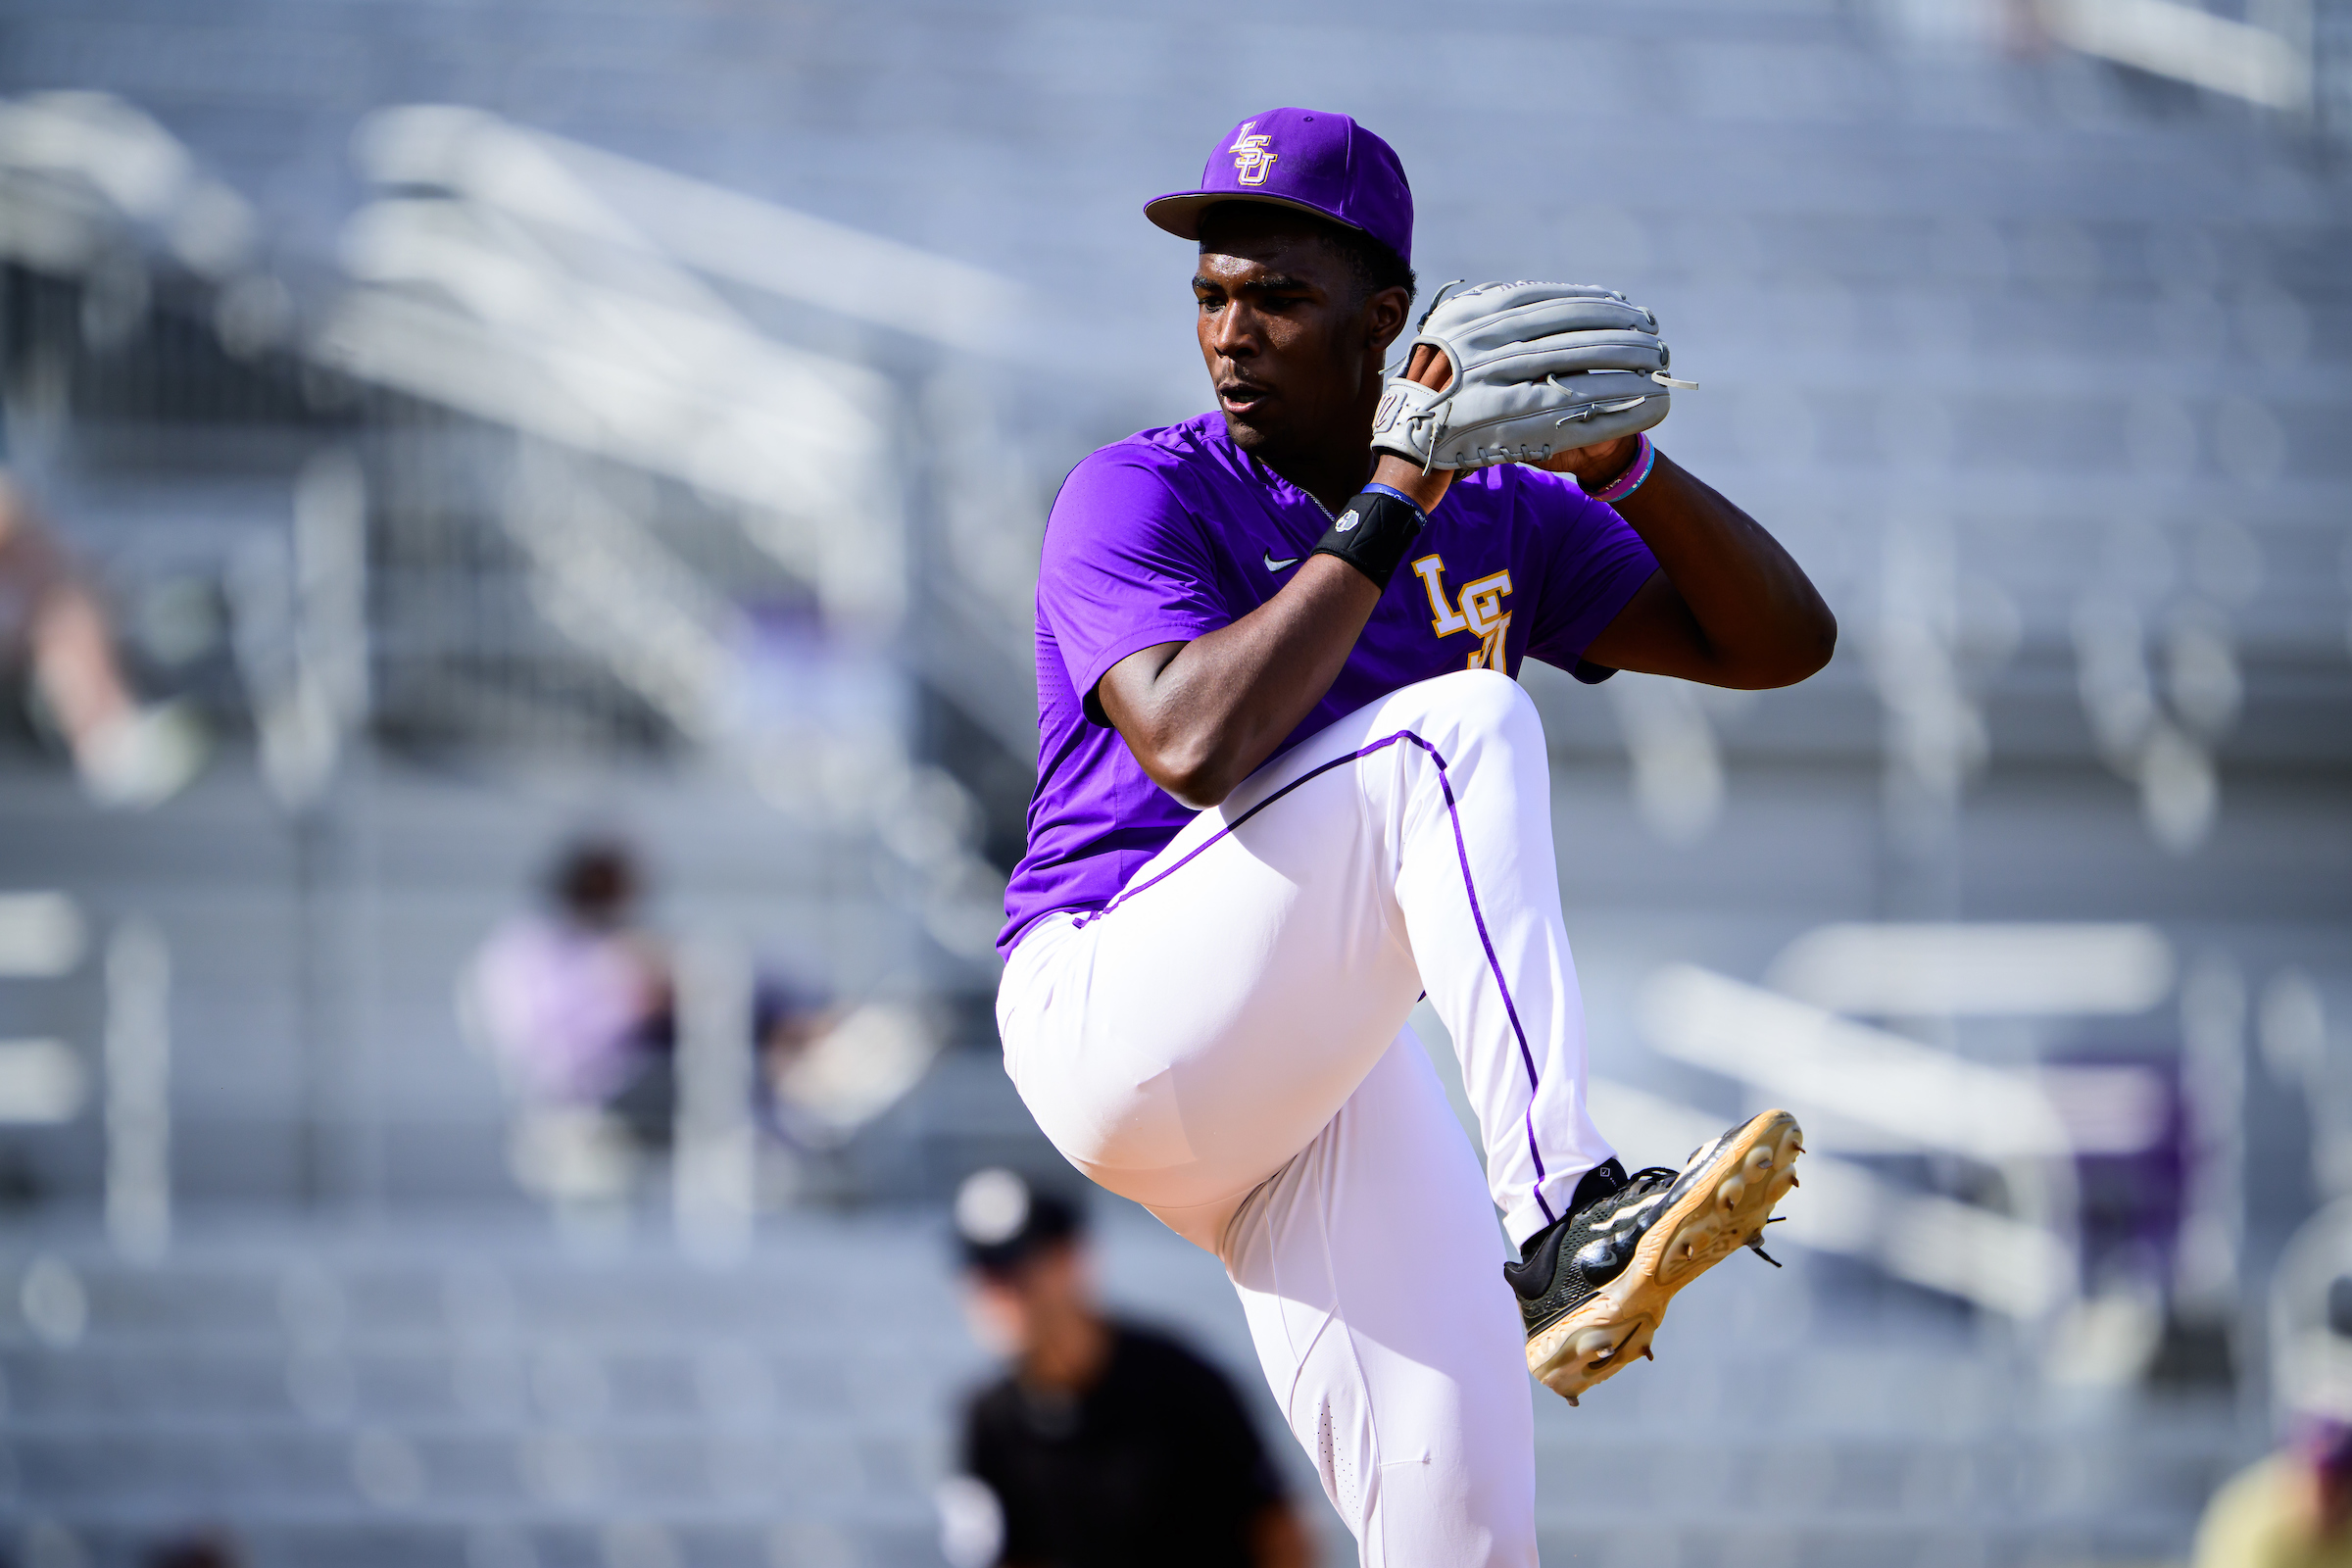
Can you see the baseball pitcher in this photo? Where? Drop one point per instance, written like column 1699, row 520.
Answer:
column 1287, row 786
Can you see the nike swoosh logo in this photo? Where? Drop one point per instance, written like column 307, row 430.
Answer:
column 1279, row 566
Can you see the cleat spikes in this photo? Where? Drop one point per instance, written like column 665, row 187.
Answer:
column 1593, row 1295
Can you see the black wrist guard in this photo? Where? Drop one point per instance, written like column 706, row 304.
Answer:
column 1373, row 534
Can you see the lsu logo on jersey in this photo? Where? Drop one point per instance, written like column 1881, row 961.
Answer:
column 1477, row 609
column 1252, row 162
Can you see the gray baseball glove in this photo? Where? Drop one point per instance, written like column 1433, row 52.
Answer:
column 1538, row 368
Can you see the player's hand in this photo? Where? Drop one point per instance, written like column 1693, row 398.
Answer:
column 1541, row 365
column 1594, row 466
column 1427, row 488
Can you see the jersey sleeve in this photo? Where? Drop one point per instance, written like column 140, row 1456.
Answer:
column 1125, row 566
column 1593, row 565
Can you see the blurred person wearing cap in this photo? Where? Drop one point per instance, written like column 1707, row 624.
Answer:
column 1105, row 1444
column 1286, row 786
column 575, row 998
column 128, row 754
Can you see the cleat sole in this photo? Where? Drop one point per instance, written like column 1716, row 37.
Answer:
column 1726, row 1207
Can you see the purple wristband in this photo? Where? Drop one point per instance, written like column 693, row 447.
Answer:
column 1626, row 484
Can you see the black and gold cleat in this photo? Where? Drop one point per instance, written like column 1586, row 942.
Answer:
column 1593, row 1288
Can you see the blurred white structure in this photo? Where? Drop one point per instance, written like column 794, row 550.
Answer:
column 714, row 1153
column 2292, row 1019
column 138, row 1090
column 43, row 1081
column 854, row 1071
column 2310, row 1319
column 69, row 162
column 571, row 295
column 1978, row 969
column 2180, row 788
column 42, row 935
column 2266, row 62
column 2214, row 1047
column 1678, row 777
column 1867, row 1091
column 1935, row 737
column 520, row 291
column 1817, row 1062
column 2004, row 1265
column 302, row 637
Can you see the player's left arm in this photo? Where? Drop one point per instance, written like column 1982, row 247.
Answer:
column 1727, row 607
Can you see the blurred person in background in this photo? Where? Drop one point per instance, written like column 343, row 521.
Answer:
column 2290, row 1511
column 1104, row 1445
column 575, row 999
column 578, row 1003
column 127, row 754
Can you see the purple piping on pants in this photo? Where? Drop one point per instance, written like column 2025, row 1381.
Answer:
column 1469, row 887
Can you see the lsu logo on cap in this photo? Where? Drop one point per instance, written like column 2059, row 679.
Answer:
column 1252, row 160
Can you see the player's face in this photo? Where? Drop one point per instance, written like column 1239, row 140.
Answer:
column 1293, row 351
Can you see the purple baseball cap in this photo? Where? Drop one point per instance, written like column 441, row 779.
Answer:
column 1309, row 159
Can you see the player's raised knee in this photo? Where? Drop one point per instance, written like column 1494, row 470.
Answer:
column 1487, row 701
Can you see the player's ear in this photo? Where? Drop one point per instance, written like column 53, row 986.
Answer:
column 1386, row 312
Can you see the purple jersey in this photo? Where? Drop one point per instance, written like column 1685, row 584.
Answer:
column 1175, row 532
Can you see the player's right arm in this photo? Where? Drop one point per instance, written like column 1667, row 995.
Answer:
column 1202, row 715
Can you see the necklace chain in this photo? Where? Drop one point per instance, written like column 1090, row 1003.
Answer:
column 1329, row 515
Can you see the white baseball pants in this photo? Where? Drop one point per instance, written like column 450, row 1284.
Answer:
column 1226, row 1044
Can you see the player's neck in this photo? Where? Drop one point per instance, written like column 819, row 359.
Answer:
column 1333, row 476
